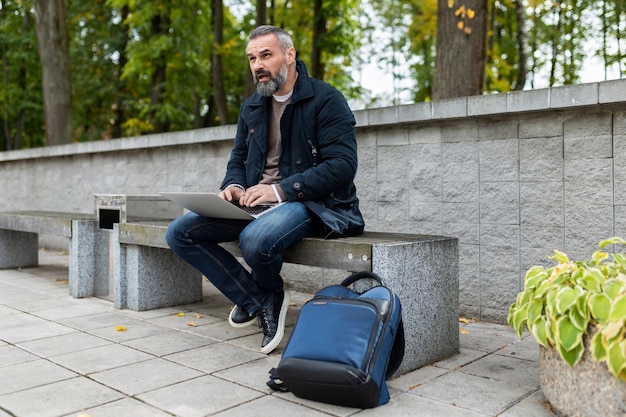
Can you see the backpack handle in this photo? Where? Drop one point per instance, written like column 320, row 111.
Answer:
column 361, row 275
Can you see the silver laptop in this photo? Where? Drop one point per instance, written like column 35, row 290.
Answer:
column 212, row 205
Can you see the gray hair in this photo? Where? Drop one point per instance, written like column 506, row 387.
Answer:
column 284, row 38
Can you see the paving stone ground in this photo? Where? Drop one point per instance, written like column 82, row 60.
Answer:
column 61, row 356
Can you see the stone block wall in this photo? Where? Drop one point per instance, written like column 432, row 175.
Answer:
column 514, row 176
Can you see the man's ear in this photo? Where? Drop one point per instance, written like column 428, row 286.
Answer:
column 291, row 55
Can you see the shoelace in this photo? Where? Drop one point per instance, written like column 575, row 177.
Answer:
column 265, row 322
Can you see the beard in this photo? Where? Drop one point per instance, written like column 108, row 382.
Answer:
column 275, row 83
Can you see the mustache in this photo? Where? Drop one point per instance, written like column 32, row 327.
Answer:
column 263, row 72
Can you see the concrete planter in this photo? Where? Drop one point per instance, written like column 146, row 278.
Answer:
column 585, row 390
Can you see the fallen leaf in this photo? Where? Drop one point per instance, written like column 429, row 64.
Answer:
column 464, row 320
column 465, row 331
column 471, row 13
column 198, row 316
column 181, row 314
column 192, row 323
column 120, row 328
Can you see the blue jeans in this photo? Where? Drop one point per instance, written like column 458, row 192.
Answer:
column 195, row 239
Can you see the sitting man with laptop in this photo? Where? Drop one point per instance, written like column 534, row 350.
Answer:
column 295, row 144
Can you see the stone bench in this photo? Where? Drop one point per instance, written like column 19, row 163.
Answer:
column 19, row 244
column 422, row 270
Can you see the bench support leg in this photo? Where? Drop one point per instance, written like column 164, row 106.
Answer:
column 18, row 249
column 146, row 278
column 425, row 275
column 89, row 260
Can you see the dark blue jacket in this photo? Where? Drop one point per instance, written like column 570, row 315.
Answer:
column 318, row 156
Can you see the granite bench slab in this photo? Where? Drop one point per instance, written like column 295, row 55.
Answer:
column 421, row 269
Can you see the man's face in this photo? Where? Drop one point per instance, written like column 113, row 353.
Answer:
column 268, row 64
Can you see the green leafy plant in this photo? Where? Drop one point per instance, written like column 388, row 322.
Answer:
column 562, row 304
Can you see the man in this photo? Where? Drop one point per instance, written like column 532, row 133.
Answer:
column 295, row 143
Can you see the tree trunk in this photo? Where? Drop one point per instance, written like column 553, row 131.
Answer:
column 261, row 19
column 319, row 29
column 53, row 45
column 555, row 47
column 120, row 114
column 218, row 72
column 261, row 12
column 6, row 123
column 522, row 41
column 461, row 48
column 160, row 26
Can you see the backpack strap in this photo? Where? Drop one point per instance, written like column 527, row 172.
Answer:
column 361, row 275
column 397, row 352
column 275, row 382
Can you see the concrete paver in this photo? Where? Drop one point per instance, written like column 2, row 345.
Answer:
column 11, row 355
column 124, row 407
column 505, row 369
column 145, row 376
column 65, row 357
column 168, row 343
column 470, row 392
column 200, row 397
column 31, row 374
column 59, row 345
column 58, row 398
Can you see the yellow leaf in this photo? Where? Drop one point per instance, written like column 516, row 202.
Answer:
column 460, row 25
column 468, row 30
column 612, row 329
column 120, row 328
column 464, row 320
column 460, row 11
column 471, row 13
column 450, row 4
column 465, row 331
column 198, row 316
column 192, row 323
column 181, row 314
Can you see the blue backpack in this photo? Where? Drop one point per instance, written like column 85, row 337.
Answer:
column 344, row 345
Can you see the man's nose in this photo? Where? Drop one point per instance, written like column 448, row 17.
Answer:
column 256, row 65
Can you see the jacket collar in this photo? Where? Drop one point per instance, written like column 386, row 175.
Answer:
column 302, row 89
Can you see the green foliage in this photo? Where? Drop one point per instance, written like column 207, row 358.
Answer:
column 140, row 66
column 339, row 43
column 564, row 303
column 168, row 52
column 21, row 100
column 422, row 32
column 95, row 45
column 502, row 52
column 557, row 36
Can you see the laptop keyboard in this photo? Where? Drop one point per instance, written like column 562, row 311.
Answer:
column 253, row 210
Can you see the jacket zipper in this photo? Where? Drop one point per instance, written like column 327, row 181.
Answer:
column 313, row 152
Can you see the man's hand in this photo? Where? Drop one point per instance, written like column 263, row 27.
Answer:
column 258, row 194
column 232, row 194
